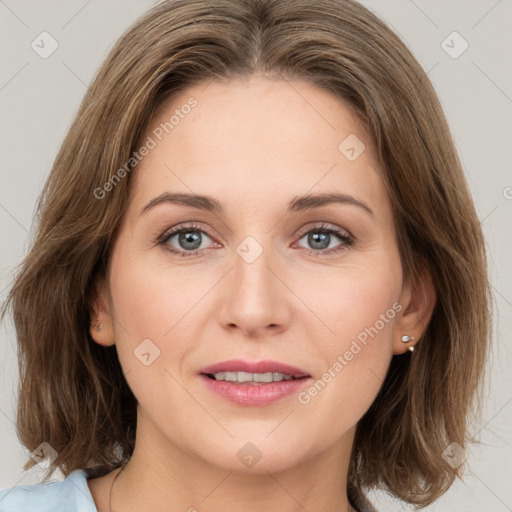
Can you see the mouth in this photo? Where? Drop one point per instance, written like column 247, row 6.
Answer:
column 254, row 383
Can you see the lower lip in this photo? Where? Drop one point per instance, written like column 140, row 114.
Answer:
column 255, row 394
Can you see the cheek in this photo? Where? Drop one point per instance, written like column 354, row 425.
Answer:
column 150, row 297
column 158, row 316
column 354, row 298
column 360, row 308
column 147, row 307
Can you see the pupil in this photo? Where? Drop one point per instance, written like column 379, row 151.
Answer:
column 317, row 239
column 190, row 237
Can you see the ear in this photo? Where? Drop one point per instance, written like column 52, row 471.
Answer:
column 101, row 327
column 418, row 299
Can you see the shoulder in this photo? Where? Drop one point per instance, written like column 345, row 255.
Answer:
column 70, row 495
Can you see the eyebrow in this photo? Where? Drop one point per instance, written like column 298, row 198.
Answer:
column 298, row 203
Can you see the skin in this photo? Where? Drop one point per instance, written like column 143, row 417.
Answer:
column 253, row 145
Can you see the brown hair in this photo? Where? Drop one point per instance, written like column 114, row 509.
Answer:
column 73, row 394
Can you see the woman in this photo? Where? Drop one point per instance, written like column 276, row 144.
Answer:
column 255, row 218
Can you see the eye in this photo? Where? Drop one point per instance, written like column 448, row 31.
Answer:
column 189, row 239
column 321, row 238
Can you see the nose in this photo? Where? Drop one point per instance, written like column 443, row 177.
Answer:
column 255, row 298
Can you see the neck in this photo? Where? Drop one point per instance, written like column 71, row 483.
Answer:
column 161, row 476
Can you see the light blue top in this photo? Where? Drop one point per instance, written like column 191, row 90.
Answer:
column 70, row 495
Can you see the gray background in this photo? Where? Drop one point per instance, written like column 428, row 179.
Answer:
column 39, row 97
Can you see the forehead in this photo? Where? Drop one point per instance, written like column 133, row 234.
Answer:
column 254, row 137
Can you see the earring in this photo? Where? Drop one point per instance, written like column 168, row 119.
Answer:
column 100, row 327
column 406, row 339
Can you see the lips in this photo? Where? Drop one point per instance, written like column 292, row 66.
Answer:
column 254, row 394
column 239, row 365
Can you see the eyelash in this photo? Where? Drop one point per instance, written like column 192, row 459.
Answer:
column 343, row 235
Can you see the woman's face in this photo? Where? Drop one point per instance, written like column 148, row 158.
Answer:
column 253, row 278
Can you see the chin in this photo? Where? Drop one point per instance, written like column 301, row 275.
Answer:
column 256, row 458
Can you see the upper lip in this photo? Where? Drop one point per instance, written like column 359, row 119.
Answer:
column 239, row 365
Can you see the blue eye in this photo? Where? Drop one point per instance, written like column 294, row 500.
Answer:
column 320, row 239
column 191, row 237
column 324, row 239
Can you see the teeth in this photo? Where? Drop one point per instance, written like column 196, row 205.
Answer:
column 252, row 377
